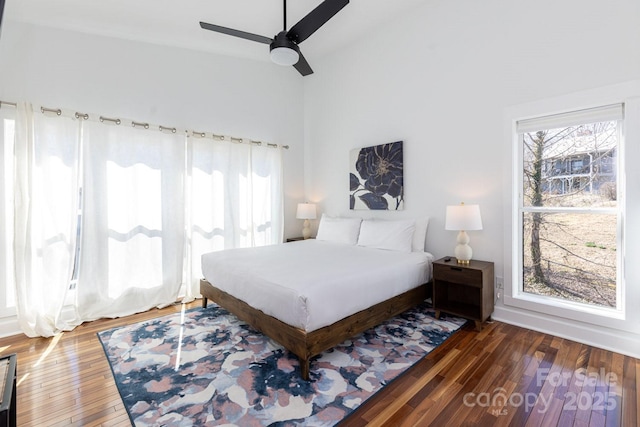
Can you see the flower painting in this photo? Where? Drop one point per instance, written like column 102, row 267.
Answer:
column 376, row 178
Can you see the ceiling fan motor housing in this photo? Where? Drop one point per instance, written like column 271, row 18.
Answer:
column 284, row 51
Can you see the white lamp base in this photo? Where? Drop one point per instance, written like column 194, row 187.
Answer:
column 306, row 229
column 463, row 251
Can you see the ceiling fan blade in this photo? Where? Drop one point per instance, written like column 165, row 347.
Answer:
column 315, row 19
column 303, row 66
column 236, row 33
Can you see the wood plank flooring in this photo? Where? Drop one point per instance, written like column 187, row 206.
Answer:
column 501, row 376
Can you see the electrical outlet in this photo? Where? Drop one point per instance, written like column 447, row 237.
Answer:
column 499, row 289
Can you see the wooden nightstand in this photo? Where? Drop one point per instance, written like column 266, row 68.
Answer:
column 463, row 290
column 295, row 239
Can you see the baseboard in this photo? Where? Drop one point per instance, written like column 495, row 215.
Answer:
column 606, row 338
column 9, row 326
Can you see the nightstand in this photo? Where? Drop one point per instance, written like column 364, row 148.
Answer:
column 295, row 239
column 463, row 290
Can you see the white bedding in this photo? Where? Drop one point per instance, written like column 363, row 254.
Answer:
column 311, row 284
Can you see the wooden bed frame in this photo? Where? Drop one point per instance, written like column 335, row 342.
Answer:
column 304, row 344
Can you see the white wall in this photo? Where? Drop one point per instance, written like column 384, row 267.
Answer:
column 441, row 79
column 162, row 85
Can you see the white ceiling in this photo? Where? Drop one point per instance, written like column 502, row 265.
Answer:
column 176, row 23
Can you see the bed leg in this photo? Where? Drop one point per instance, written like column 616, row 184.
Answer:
column 204, row 302
column 304, row 368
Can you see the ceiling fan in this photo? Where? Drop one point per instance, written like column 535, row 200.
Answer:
column 284, row 45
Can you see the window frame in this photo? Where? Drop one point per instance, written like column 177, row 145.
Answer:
column 523, row 208
column 7, row 309
column 624, row 318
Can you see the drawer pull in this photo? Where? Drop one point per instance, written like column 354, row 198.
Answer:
column 456, row 268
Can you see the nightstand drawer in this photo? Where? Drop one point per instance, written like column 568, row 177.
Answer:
column 455, row 274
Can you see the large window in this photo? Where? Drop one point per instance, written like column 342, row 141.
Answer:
column 569, row 211
column 107, row 217
column 7, row 292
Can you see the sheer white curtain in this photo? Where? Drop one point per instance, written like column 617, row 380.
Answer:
column 46, row 211
column 111, row 220
column 132, row 245
column 234, row 198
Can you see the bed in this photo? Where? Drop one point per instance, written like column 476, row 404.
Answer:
column 312, row 295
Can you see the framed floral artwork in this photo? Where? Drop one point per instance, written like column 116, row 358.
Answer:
column 376, row 177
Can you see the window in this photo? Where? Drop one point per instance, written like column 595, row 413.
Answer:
column 106, row 217
column 7, row 294
column 569, row 210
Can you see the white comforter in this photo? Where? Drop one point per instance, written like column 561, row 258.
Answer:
column 311, row 284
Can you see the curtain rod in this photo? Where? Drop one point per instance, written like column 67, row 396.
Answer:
column 165, row 129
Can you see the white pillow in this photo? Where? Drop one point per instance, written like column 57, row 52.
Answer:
column 391, row 235
column 340, row 230
column 420, row 235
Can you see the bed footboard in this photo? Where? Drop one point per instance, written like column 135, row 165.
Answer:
column 304, row 344
column 293, row 339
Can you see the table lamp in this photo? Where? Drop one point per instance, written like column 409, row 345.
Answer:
column 463, row 218
column 306, row 211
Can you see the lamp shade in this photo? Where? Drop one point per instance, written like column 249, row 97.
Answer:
column 306, row 211
column 463, row 217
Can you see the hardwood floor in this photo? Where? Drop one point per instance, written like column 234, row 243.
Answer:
column 503, row 375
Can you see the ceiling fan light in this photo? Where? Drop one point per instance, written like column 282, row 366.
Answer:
column 284, row 56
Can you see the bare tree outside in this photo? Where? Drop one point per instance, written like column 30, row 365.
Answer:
column 570, row 216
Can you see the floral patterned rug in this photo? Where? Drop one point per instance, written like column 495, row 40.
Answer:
column 206, row 367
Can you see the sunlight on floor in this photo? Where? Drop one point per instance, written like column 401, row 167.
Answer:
column 180, row 337
column 52, row 345
column 24, row 377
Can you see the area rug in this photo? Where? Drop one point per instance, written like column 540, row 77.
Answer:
column 205, row 367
